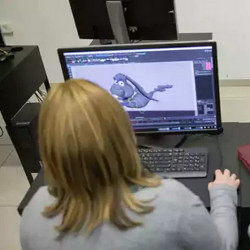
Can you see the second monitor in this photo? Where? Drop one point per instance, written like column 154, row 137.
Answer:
column 165, row 88
column 125, row 20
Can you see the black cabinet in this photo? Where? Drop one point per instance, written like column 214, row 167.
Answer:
column 20, row 77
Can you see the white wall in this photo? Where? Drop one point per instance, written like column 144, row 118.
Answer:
column 229, row 21
column 47, row 23
column 50, row 24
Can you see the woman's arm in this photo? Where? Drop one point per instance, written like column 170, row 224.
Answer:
column 223, row 211
column 198, row 231
column 218, row 230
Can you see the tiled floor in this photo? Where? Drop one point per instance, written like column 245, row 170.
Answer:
column 13, row 185
column 235, row 102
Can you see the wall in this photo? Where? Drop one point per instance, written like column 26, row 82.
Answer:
column 49, row 23
column 229, row 21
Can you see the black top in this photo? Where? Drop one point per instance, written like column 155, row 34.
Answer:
column 6, row 67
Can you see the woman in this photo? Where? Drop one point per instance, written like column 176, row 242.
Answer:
column 98, row 196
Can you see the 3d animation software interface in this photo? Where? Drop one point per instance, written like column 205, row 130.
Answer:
column 166, row 89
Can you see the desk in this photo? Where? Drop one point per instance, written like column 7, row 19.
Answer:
column 235, row 134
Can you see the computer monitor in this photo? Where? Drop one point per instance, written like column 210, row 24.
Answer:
column 144, row 19
column 165, row 88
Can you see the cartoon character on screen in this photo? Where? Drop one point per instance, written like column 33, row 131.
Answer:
column 131, row 94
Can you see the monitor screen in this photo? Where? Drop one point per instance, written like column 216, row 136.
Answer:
column 166, row 88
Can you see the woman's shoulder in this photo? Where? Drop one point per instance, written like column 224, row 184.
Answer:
column 39, row 201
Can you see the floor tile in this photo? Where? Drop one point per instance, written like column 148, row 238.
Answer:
column 13, row 185
column 13, row 160
column 5, row 151
column 9, row 229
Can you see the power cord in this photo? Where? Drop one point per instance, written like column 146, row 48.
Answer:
column 4, row 55
column 40, row 95
column 1, row 132
column 218, row 145
column 220, row 151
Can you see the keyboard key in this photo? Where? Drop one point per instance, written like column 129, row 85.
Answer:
column 202, row 159
column 159, row 170
column 202, row 167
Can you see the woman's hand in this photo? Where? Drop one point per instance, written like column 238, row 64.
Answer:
column 224, row 178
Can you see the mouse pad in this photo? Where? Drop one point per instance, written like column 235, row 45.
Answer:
column 244, row 155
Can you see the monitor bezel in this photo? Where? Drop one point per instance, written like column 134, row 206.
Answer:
column 219, row 128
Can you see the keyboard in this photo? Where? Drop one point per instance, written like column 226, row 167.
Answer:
column 176, row 162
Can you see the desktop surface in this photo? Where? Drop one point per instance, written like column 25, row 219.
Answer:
column 222, row 154
column 165, row 88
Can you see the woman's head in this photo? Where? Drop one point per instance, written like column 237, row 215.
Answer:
column 90, row 158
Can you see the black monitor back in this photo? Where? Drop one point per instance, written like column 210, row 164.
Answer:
column 152, row 19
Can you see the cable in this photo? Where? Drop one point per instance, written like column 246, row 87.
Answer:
column 218, row 145
column 38, row 97
column 220, row 151
column 42, row 93
column 1, row 132
column 138, row 41
column 182, row 140
column 4, row 51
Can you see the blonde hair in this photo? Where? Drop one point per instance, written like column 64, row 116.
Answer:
column 90, row 158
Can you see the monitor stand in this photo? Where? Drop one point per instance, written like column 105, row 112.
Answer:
column 161, row 140
column 117, row 21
